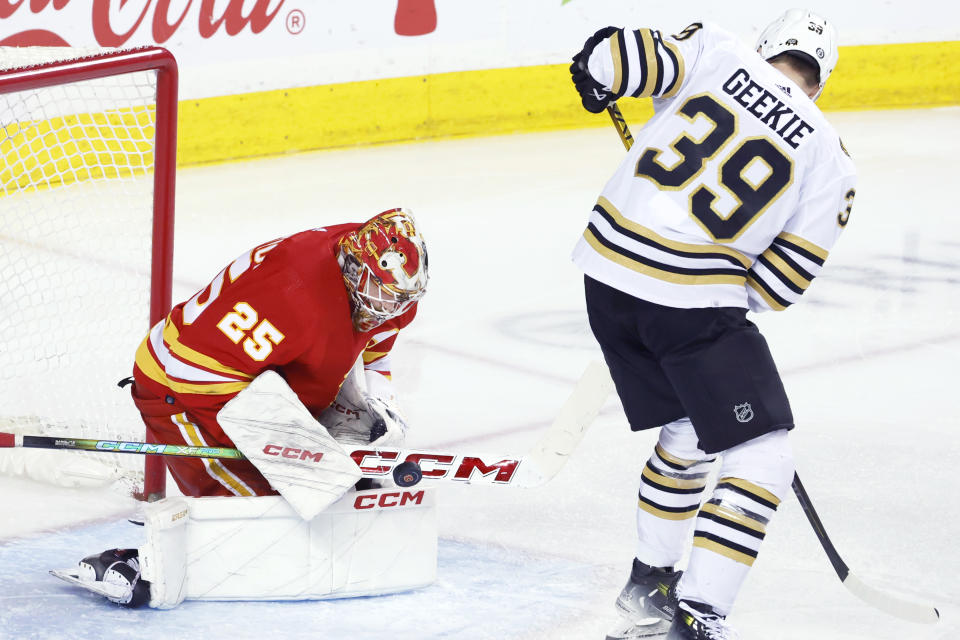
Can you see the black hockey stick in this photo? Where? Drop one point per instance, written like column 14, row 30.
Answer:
column 885, row 602
column 894, row 606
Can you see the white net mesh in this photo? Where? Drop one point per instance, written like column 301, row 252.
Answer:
column 76, row 217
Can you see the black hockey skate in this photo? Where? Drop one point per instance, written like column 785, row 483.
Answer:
column 698, row 621
column 114, row 574
column 647, row 602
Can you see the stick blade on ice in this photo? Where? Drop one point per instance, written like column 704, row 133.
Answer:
column 552, row 451
column 894, row 606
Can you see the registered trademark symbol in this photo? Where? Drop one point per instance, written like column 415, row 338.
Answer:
column 295, row 21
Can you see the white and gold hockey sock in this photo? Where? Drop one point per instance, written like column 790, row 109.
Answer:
column 668, row 501
column 732, row 523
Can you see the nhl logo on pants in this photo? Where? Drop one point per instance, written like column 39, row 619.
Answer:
column 743, row 412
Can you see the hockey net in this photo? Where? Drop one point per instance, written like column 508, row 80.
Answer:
column 88, row 146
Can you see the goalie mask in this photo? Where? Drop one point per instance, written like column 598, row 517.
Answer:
column 803, row 34
column 384, row 265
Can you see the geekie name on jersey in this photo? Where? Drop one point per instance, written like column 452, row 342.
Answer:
column 766, row 107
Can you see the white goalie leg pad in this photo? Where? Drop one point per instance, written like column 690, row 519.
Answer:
column 293, row 451
column 163, row 557
column 367, row 543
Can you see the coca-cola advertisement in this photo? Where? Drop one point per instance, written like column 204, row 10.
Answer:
column 228, row 46
column 115, row 23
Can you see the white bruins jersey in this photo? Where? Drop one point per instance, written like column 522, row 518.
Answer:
column 733, row 193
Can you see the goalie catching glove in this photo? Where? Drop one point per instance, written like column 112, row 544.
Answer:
column 365, row 411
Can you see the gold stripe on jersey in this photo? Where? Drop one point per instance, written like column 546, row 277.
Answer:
column 654, row 272
column 674, row 88
column 648, row 60
column 370, row 356
column 785, row 270
column 819, row 253
column 776, row 304
column 618, row 74
column 215, row 468
column 659, row 274
column 657, row 239
column 148, row 364
column 171, row 336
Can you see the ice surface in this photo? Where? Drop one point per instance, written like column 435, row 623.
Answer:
column 867, row 358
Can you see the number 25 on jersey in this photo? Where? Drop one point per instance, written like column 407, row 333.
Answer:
column 243, row 324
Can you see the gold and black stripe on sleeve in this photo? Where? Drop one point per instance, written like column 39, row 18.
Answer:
column 773, row 299
column 672, row 52
column 656, row 78
column 782, row 261
column 735, row 274
column 647, row 62
column 618, row 50
column 802, row 247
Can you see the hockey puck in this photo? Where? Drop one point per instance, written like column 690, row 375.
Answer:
column 407, row 474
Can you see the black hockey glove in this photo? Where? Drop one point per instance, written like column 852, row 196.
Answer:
column 594, row 96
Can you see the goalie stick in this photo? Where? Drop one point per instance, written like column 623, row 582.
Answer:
column 541, row 464
column 892, row 605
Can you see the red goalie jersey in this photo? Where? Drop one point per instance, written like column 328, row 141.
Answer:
column 282, row 306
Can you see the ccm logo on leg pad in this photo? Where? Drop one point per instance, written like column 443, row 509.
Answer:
column 292, row 453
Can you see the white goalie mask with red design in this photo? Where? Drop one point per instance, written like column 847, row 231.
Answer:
column 384, row 265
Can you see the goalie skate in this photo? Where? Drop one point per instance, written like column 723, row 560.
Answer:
column 113, row 574
column 105, row 589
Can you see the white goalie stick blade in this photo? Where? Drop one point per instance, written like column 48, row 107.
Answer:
column 896, row 607
column 548, row 456
column 628, row 630
column 116, row 591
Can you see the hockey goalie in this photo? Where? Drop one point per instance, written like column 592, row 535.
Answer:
column 285, row 356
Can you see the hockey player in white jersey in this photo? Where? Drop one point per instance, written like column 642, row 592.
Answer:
column 730, row 200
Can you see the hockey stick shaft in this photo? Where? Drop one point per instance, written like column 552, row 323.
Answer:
column 542, row 463
column 620, row 124
column 374, row 462
column 885, row 602
column 804, row 498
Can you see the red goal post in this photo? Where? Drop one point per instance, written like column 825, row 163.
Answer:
column 87, row 184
